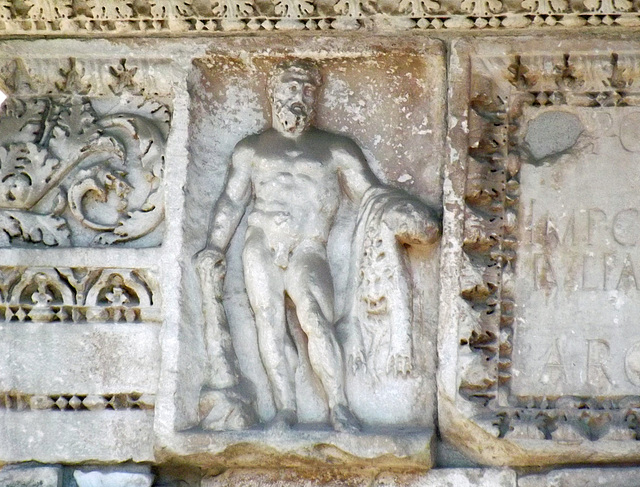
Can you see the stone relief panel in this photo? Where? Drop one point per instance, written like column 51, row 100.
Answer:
column 84, row 131
column 81, row 153
column 546, row 342
column 315, row 291
column 179, row 17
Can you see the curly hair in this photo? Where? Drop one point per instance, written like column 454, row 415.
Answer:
column 306, row 67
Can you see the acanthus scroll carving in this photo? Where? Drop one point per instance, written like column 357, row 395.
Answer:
column 74, row 170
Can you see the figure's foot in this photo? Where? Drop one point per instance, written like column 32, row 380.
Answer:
column 283, row 420
column 343, row 420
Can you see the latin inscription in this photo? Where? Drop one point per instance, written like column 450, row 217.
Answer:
column 587, row 249
column 577, row 287
column 596, row 371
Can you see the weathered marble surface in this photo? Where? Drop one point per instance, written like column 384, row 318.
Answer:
column 434, row 478
column 84, row 142
column 585, row 477
column 77, row 436
column 193, row 18
column 110, row 166
column 130, row 476
column 110, row 295
column 82, row 149
column 31, row 476
column 228, row 89
column 541, row 242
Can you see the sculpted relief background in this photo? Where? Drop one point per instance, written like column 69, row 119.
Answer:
column 387, row 384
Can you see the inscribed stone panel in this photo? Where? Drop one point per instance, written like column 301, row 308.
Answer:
column 544, row 293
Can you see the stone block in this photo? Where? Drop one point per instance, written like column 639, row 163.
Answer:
column 220, row 399
column 76, row 436
column 540, row 292
column 49, row 359
column 52, row 195
column 583, row 477
column 82, row 224
column 172, row 19
column 460, row 477
column 31, row 476
column 119, row 476
column 128, row 150
column 467, row 477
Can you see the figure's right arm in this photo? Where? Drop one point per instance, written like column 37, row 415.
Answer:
column 210, row 266
column 229, row 209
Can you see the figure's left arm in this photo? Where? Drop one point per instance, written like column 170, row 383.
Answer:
column 355, row 175
column 412, row 221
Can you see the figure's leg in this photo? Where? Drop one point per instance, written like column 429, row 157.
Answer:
column 265, row 289
column 309, row 283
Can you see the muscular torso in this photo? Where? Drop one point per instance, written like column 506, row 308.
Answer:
column 296, row 190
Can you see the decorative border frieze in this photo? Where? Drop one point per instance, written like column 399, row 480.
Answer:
column 78, row 295
column 15, row 401
column 179, row 17
column 490, row 240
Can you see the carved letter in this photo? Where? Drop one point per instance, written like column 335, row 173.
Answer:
column 627, row 275
column 543, row 275
column 593, row 215
column 597, row 356
column 632, row 364
column 592, row 275
column 552, row 233
column 554, row 372
column 625, row 227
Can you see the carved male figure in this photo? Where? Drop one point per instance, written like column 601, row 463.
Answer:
column 295, row 173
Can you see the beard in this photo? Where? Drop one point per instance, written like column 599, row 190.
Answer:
column 294, row 118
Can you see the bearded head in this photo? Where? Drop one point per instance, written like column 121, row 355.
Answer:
column 293, row 89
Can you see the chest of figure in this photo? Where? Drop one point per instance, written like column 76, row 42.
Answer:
column 292, row 174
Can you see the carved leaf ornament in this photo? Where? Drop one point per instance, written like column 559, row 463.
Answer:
column 62, row 160
column 555, row 82
column 88, row 17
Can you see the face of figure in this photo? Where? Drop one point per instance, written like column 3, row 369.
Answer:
column 293, row 99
